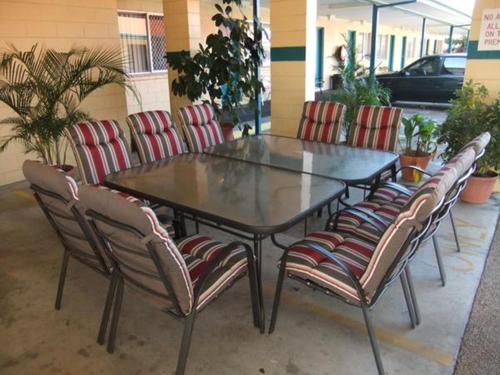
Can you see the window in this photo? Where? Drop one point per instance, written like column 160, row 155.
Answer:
column 142, row 39
column 365, row 45
column 438, row 47
column 382, row 47
column 411, row 48
column 454, row 65
column 425, row 67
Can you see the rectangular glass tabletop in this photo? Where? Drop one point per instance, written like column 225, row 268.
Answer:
column 253, row 198
column 350, row 164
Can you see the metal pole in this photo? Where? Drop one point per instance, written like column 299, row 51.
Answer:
column 450, row 39
column 258, row 96
column 422, row 37
column 373, row 47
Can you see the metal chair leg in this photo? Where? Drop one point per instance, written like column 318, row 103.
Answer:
column 254, row 294
column 116, row 315
column 277, row 295
column 62, row 279
column 305, row 227
column 411, row 288
column 454, row 231
column 408, row 299
column 439, row 259
column 186, row 343
column 373, row 339
column 101, row 337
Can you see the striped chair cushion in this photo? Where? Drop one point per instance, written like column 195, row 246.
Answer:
column 306, row 263
column 200, row 127
column 375, row 127
column 100, row 148
column 321, row 122
column 197, row 251
column 155, row 135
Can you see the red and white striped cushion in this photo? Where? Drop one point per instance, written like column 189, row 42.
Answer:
column 321, row 122
column 155, row 135
column 200, row 127
column 198, row 251
column 100, row 149
column 308, row 264
column 376, row 127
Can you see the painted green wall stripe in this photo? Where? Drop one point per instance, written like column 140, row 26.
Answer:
column 288, row 53
column 474, row 54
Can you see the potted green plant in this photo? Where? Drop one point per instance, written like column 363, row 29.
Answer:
column 44, row 89
column 223, row 71
column 356, row 87
column 419, row 146
column 470, row 114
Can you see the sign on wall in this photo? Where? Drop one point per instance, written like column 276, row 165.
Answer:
column 489, row 36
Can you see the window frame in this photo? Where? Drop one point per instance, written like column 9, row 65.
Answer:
column 149, row 44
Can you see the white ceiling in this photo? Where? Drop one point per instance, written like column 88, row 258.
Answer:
column 438, row 13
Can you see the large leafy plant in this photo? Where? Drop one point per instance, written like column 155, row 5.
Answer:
column 357, row 86
column 418, row 131
column 471, row 114
column 223, row 70
column 45, row 88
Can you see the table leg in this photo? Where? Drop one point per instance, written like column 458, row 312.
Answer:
column 257, row 249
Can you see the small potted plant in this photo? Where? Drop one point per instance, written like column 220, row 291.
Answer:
column 419, row 147
column 44, row 89
column 472, row 113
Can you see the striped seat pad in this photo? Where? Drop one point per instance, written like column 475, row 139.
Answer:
column 198, row 251
column 375, row 127
column 308, row 264
column 100, row 149
column 321, row 122
column 155, row 135
column 200, row 127
column 389, row 193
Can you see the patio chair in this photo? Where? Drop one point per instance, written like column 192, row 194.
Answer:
column 180, row 279
column 321, row 121
column 200, row 127
column 362, row 254
column 57, row 195
column 375, row 127
column 155, row 135
column 100, row 149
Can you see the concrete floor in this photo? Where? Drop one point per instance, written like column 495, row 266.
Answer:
column 315, row 334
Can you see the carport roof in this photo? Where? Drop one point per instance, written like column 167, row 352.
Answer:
column 440, row 15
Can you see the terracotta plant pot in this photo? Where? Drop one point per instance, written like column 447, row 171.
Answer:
column 479, row 188
column 410, row 175
column 227, row 131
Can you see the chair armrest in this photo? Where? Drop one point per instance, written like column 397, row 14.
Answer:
column 418, row 169
column 371, row 220
column 400, row 188
column 372, row 215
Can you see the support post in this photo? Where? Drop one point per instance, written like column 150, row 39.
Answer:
column 422, row 37
column 450, row 40
column 373, row 47
column 258, row 95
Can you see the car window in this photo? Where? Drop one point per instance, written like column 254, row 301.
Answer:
column 424, row 67
column 454, row 65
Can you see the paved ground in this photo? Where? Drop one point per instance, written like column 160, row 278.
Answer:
column 481, row 342
column 315, row 335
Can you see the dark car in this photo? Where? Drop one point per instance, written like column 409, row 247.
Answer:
column 429, row 79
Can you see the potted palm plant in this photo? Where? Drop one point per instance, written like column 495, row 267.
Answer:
column 419, row 147
column 222, row 71
column 44, row 89
column 471, row 114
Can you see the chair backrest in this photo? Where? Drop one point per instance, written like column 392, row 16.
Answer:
column 393, row 248
column 140, row 248
column 57, row 195
column 200, row 127
column 321, row 121
column 155, row 135
column 100, row 148
column 479, row 144
column 375, row 127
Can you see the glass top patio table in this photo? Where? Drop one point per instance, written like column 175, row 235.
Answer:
column 253, row 198
column 353, row 165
